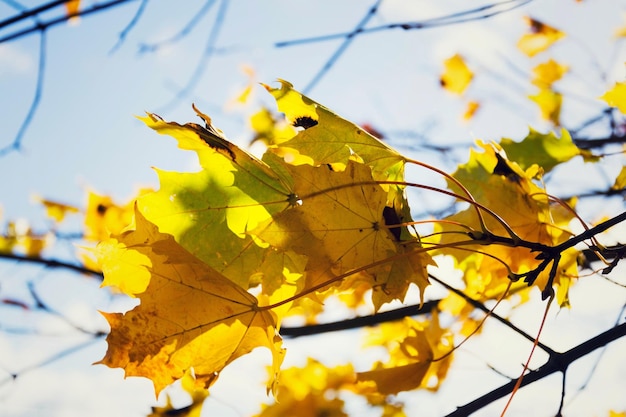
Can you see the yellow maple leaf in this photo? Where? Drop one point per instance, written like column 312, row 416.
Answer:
column 540, row 38
column 103, row 216
column 233, row 193
column 190, row 316
column 547, row 73
column 340, row 226
column 56, row 210
column 194, row 409
column 503, row 187
column 456, row 76
column 616, row 96
column 549, row 102
column 470, row 110
column 620, row 181
column 413, row 346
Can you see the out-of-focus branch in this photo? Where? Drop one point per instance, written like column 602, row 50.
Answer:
column 51, row 263
column 558, row 362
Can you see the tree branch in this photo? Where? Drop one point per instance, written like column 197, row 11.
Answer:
column 557, row 362
column 52, row 263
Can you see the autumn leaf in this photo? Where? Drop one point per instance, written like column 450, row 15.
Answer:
column 55, row 210
column 616, row 97
column 545, row 150
column 549, row 103
column 470, row 110
column 103, row 216
column 540, row 38
column 620, row 181
column 547, row 73
column 210, row 212
column 412, row 347
column 190, row 315
column 197, row 396
column 311, row 391
column 340, row 226
column 456, row 76
column 508, row 191
column 326, row 138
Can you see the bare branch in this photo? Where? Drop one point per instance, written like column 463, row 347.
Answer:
column 52, row 263
column 130, row 26
column 17, row 141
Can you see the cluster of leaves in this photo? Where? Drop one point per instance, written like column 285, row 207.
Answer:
column 219, row 257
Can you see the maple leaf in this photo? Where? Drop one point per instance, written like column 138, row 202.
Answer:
column 545, row 150
column 210, row 212
column 326, row 138
column 503, row 187
column 540, row 38
column 55, row 210
column 549, row 102
column 340, row 226
column 470, row 110
column 412, row 347
column 616, row 97
column 456, row 76
column 547, row 73
column 310, row 391
column 190, row 315
column 188, row 383
column 620, row 181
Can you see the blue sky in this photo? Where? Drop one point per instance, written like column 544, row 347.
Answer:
column 85, row 136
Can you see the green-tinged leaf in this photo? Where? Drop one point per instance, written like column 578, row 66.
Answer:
column 209, row 212
column 546, row 150
column 190, row 315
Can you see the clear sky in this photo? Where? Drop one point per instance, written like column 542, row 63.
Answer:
column 84, row 136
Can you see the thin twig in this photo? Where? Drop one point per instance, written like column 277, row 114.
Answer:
column 16, row 145
column 122, row 36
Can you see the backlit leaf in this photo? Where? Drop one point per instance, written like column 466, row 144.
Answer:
column 539, row 38
column 470, row 110
column 209, row 212
column 310, row 391
column 616, row 97
column 509, row 191
column 620, row 181
column 340, row 226
column 190, row 316
column 547, row 73
column 55, row 210
column 545, row 150
column 456, row 76
column 549, row 103
column 412, row 346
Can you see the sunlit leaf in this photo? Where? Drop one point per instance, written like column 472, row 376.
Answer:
column 470, row 110
column 539, row 38
column 310, row 391
column 545, row 150
column 620, row 181
column 190, row 316
column 510, row 192
column 616, row 96
column 197, row 396
column 55, row 210
column 456, row 76
column 547, row 73
column 549, row 103
column 412, row 346
column 209, row 212
column 340, row 226
column 103, row 216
